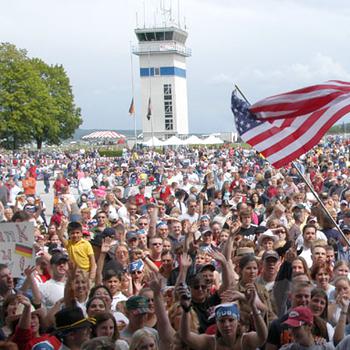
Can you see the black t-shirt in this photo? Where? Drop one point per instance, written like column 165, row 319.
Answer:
column 248, row 232
column 279, row 335
column 204, row 310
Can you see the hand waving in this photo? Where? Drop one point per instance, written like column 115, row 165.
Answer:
column 106, row 245
column 218, row 256
column 185, row 261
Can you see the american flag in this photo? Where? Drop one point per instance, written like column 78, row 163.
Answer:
column 285, row 126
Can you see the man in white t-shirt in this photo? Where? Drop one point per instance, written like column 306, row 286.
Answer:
column 191, row 214
column 53, row 289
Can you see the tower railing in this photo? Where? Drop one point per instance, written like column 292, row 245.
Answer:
column 163, row 47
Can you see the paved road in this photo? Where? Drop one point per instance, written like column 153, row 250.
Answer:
column 49, row 197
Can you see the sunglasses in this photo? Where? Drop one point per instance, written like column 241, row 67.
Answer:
column 136, row 272
column 203, row 287
column 101, row 217
column 155, row 244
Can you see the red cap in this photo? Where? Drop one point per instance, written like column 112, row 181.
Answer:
column 299, row 316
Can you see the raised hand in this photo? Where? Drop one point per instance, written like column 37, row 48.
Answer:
column 216, row 255
column 156, row 283
column 235, row 228
column 64, row 222
column 71, row 270
column 106, row 245
column 184, row 294
column 250, row 295
column 28, row 271
column 194, row 228
column 185, row 261
column 229, row 296
column 138, row 286
column 22, row 299
column 343, row 301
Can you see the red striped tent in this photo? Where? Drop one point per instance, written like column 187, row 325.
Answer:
column 104, row 135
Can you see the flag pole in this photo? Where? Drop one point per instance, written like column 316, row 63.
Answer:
column 309, row 186
column 133, row 94
column 150, row 92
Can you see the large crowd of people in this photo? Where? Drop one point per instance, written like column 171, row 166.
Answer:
column 189, row 248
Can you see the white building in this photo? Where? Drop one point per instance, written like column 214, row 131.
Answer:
column 162, row 53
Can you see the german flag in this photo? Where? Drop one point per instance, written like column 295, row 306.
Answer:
column 24, row 250
column 132, row 107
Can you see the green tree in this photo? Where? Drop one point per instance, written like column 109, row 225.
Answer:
column 36, row 100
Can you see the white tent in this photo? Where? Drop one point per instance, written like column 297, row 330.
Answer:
column 153, row 142
column 103, row 135
column 173, row 141
column 212, row 140
column 193, row 140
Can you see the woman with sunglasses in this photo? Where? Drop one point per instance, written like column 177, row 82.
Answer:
column 151, row 316
column 102, row 221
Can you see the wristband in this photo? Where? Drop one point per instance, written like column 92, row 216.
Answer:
column 186, row 309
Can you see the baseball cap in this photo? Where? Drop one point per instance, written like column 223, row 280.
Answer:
column 58, row 257
column 138, row 305
column 244, row 250
column 207, row 232
column 210, row 267
column 131, row 235
column 225, row 203
column 270, row 254
column 345, row 228
column 108, row 232
column 161, row 224
column 343, row 202
column 299, row 316
column 137, row 265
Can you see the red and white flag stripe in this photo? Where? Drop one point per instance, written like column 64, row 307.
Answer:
column 300, row 123
column 299, row 102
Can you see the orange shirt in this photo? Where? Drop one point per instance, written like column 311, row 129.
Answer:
column 29, row 186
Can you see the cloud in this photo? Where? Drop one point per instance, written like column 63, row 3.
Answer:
column 318, row 69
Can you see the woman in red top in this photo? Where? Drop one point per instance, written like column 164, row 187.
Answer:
column 59, row 184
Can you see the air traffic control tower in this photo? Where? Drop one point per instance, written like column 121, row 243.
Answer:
column 162, row 54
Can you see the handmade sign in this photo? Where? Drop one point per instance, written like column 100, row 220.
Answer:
column 16, row 246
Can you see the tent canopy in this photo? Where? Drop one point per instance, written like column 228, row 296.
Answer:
column 193, row 140
column 212, row 140
column 173, row 141
column 153, row 142
column 103, row 135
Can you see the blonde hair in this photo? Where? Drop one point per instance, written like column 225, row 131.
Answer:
column 194, row 323
column 139, row 336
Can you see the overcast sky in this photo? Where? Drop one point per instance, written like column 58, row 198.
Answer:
column 264, row 46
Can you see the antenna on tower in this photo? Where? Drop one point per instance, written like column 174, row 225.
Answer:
column 178, row 13
column 137, row 20
column 144, row 14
